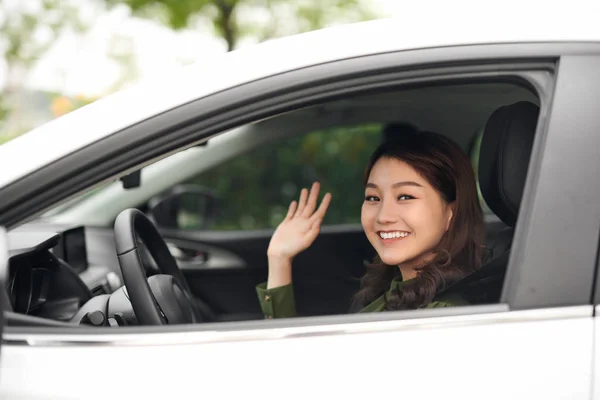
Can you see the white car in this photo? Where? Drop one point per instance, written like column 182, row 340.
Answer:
column 89, row 313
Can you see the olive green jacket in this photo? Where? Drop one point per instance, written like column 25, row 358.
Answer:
column 279, row 302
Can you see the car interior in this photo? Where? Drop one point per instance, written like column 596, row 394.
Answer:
column 66, row 269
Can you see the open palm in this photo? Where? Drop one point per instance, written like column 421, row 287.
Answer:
column 301, row 226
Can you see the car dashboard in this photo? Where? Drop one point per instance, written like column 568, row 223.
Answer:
column 50, row 274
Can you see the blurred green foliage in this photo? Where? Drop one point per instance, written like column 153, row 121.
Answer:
column 256, row 188
column 27, row 31
column 260, row 19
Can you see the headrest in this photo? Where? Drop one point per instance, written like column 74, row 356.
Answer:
column 504, row 158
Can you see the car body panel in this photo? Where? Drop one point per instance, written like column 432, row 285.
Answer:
column 596, row 351
column 519, row 355
column 542, row 258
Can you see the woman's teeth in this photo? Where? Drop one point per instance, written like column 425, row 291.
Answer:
column 393, row 235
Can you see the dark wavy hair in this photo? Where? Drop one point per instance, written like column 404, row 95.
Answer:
column 448, row 170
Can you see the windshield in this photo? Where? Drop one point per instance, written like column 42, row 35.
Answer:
column 74, row 201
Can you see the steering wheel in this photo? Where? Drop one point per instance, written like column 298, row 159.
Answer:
column 161, row 299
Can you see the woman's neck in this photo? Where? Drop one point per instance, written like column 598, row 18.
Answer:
column 407, row 271
column 410, row 269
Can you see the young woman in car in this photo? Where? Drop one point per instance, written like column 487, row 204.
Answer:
column 421, row 214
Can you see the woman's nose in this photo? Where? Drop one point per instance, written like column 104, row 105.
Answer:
column 386, row 214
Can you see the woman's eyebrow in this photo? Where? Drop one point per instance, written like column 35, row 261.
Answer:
column 396, row 185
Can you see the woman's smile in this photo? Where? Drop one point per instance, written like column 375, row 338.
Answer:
column 403, row 216
column 389, row 237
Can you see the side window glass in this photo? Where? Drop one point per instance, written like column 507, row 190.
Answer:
column 255, row 189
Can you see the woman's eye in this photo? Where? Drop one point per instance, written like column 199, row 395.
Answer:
column 405, row 197
column 371, row 198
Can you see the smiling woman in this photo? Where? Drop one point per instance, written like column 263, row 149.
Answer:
column 421, row 213
column 422, row 216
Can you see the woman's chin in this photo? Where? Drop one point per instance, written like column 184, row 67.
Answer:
column 397, row 258
column 392, row 259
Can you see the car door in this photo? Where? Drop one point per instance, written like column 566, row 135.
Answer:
column 536, row 343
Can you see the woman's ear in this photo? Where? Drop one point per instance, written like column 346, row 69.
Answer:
column 450, row 211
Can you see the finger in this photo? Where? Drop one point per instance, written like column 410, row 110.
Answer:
column 320, row 213
column 291, row 210
column 312, row 200
column 301, row 202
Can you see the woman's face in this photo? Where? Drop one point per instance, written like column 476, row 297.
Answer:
column 403, row 216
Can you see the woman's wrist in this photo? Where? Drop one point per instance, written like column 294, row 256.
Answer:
column 278, row 258
column 280, row 271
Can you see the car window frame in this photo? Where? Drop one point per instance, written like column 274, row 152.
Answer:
column 587, row 91
column 556, row 157
column 481, row 62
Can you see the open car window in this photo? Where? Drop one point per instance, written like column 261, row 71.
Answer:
column 218, row 222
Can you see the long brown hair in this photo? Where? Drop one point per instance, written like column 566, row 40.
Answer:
column 447, row 169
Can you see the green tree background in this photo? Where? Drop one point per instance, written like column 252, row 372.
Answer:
column 256, row 188
column 234, row 20
column 26, row 33
column 28, row 30
column 265, row 180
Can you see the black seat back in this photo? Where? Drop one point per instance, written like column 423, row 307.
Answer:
column 504, row 158
column 503, row 163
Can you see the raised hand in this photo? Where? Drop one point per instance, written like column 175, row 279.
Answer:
column 301, row 226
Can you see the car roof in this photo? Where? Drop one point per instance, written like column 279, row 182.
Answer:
column 115, row 112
